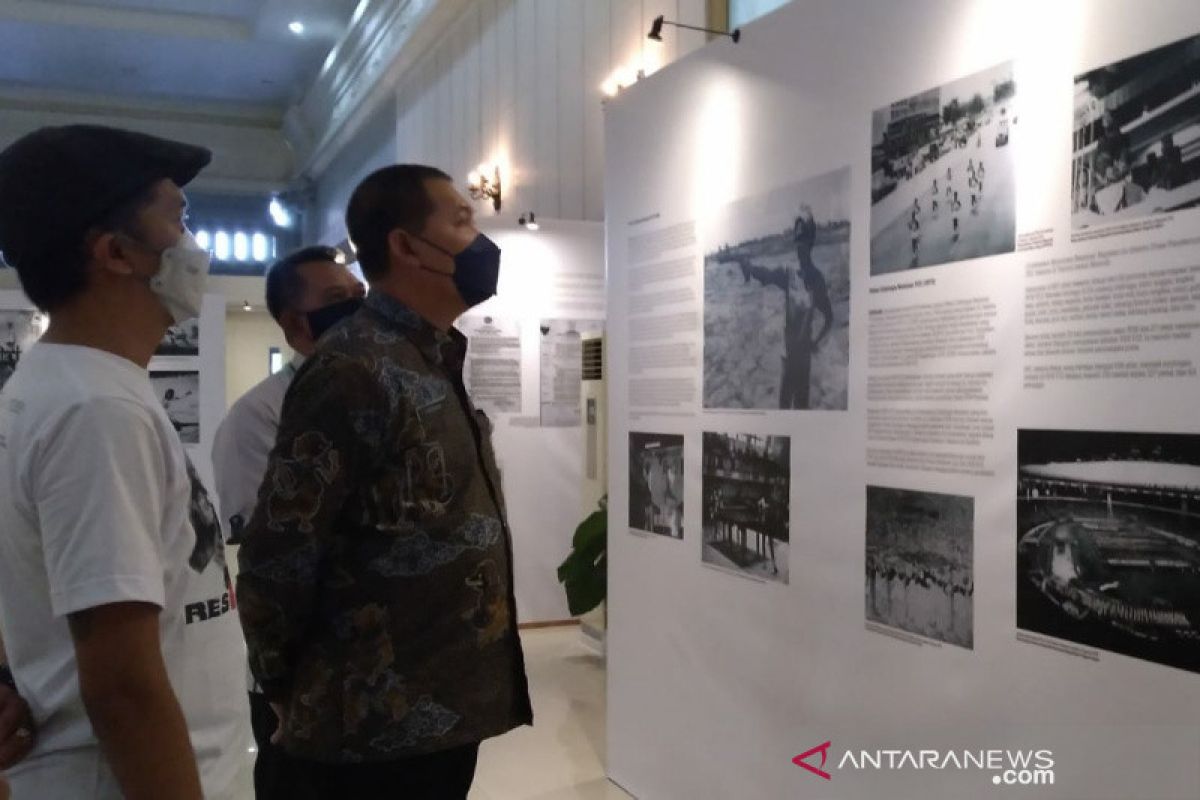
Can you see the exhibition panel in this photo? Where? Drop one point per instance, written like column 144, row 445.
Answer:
column 905, row 474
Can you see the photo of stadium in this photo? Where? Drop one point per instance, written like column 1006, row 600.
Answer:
column 1108, row 542
column 1136, row 145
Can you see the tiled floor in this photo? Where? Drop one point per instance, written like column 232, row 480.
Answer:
column 562, row 756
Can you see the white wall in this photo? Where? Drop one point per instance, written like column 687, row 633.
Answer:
column 373, row 146
column 717, row 682
column 514, row 82
column 541, row 468
column 517, row 82
column 249, row 336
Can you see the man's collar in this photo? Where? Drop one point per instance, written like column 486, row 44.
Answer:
column 292, row 367
column 424, row 334
column 396, row 312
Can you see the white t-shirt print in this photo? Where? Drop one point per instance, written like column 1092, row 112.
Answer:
column 99, row 505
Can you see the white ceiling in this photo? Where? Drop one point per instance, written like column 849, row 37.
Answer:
column 225, row 52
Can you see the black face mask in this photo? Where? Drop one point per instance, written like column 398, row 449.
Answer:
column 476, row 269
column 323, row 318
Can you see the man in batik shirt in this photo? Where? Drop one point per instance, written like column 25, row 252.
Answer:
column 376, row 573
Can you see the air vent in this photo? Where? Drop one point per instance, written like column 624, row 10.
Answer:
column 593, row 359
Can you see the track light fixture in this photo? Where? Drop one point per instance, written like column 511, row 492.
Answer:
column 528, row 221
column 485, row 182
column 657, row 26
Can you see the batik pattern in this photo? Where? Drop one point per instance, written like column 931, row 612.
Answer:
column 376, row 572
column 419, row 554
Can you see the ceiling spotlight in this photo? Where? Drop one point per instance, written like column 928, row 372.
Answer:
column 280, row 213
column 657, row 26
column 528, row 221
column 246, row 306
column 296, row 27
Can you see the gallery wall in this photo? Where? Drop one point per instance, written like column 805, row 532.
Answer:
column 373, row 146
column 249, row 337
column 550, row 277
column 889, row 534
column 517, row 82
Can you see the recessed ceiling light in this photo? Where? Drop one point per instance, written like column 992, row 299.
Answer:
column 296, row 27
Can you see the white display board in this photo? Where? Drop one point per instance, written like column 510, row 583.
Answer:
column 556, row 272
column 192, row 359
column 922, row 322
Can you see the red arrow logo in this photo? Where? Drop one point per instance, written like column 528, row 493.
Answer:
column 823, row 749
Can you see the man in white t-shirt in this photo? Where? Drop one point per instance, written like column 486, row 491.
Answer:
column 308, row 291
column 115, row 602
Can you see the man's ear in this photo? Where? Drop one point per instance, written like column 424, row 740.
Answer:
column 109, row 251
column 294, row 325
column 400, row 248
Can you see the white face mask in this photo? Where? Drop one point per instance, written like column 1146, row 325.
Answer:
column 182, row 277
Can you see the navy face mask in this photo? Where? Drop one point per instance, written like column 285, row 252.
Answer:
column 476, row 269
column 323, row 318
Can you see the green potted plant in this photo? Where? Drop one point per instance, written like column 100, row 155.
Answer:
column 584, row 573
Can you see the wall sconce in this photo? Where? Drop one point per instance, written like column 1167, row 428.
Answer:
column 528, row 221
column 485, row 182
column 657, row 26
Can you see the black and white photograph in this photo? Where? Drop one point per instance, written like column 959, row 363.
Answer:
column 656, row 483
column 777, row 298
column 19, row 329
column 746, row 516
column 179, row 392
column 1108, row 541
column 920, row 563
column 1136, row 146
column 181, row 340
column 942, row 175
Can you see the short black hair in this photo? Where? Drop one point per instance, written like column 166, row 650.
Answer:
column 285, row 284
column 387, row 199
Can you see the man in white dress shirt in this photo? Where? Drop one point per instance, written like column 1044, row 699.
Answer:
column 308, row 292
